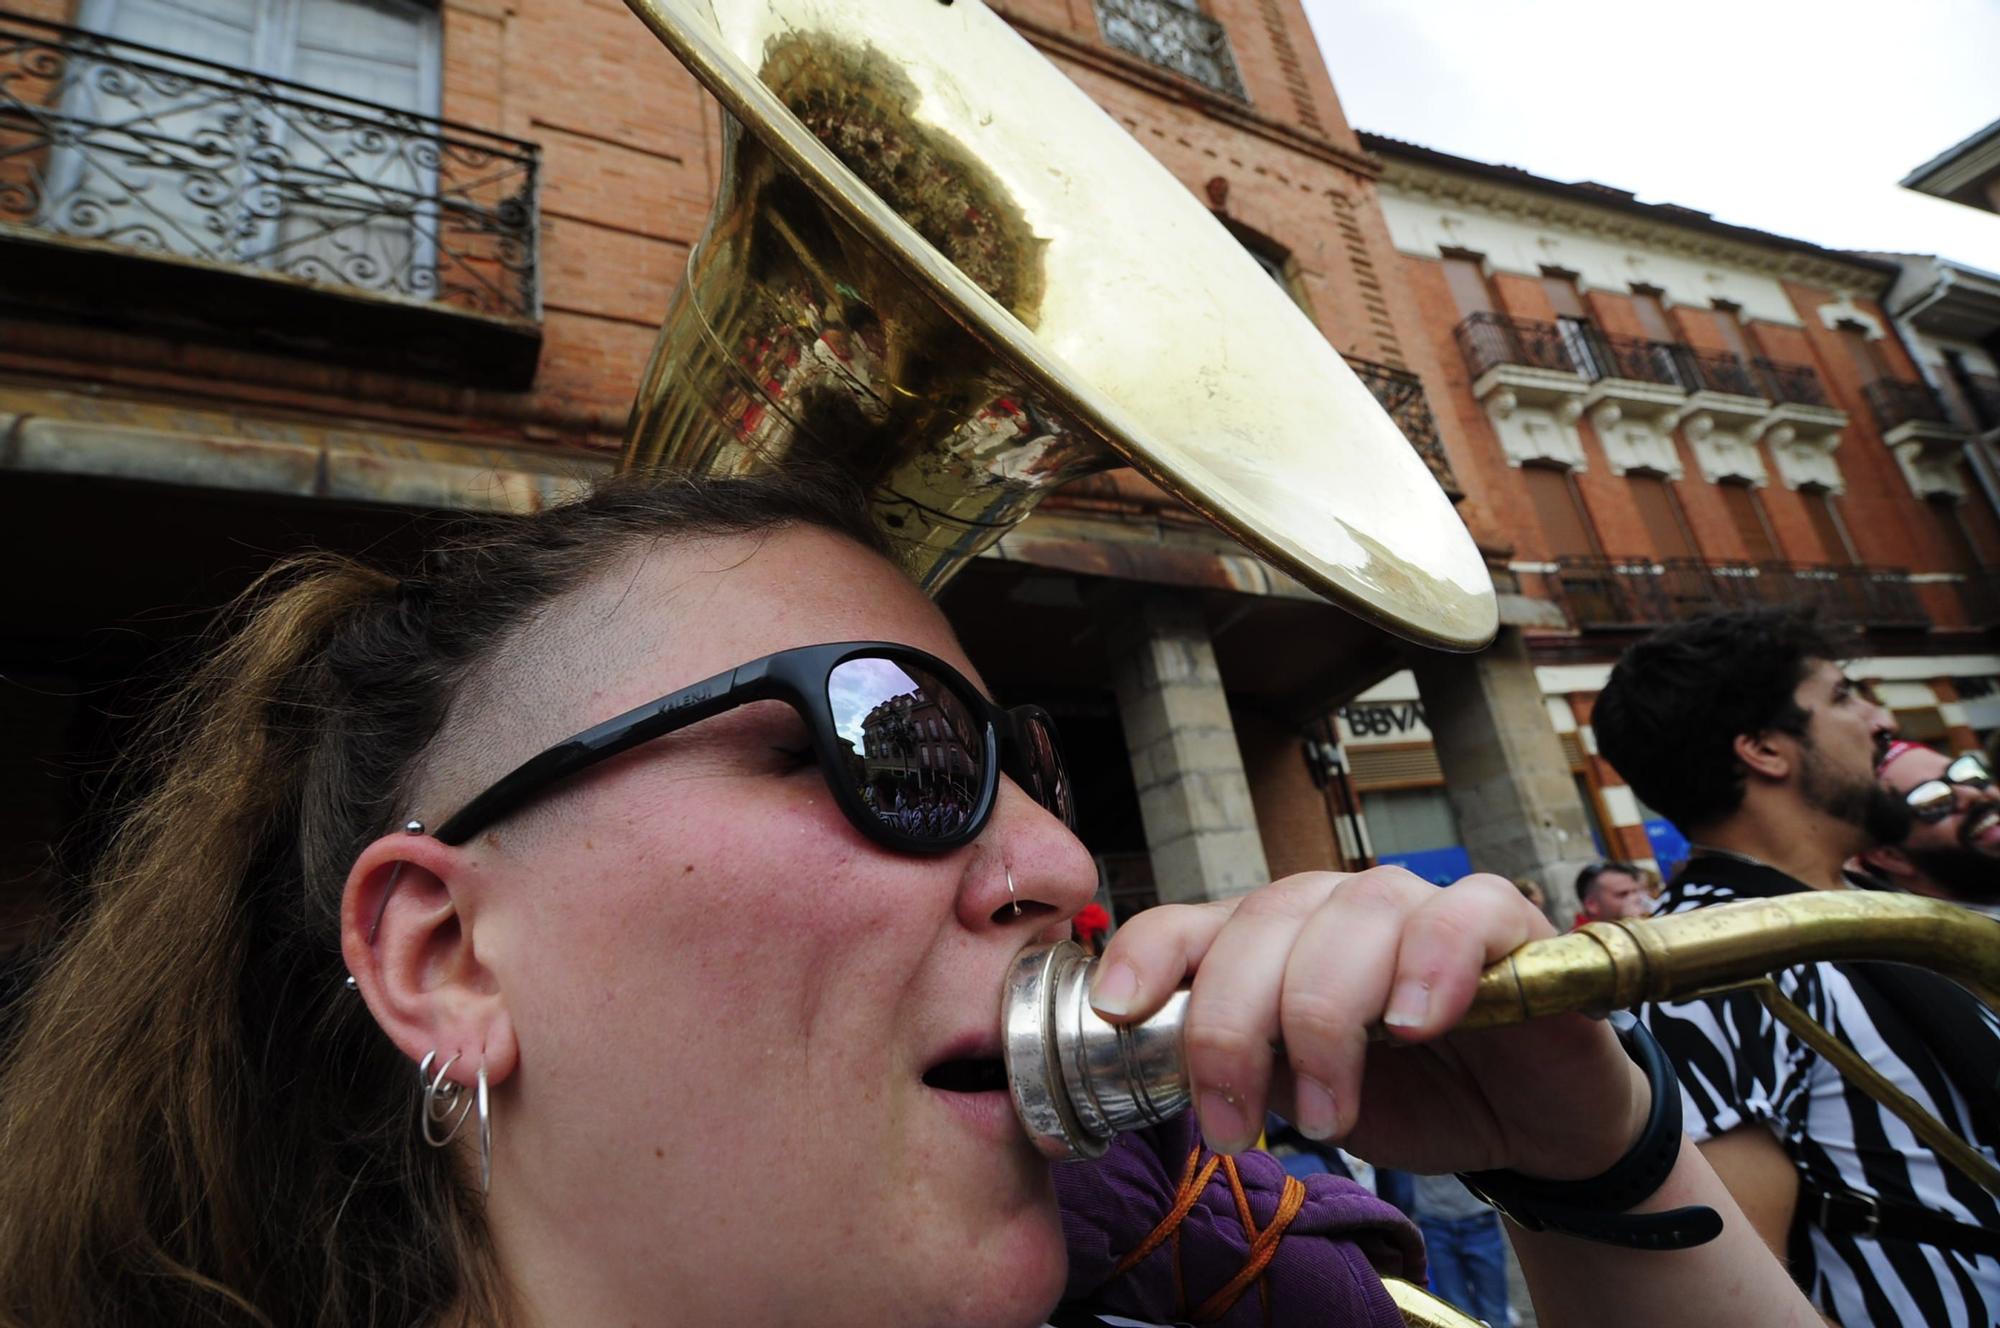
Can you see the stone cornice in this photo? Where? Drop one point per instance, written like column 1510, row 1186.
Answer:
column 1138, row 73
column 1547, row 209
column 1960, row 167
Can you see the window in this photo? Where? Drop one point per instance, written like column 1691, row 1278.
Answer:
column 1176, row 35
column 1273, row 257
column 1823, row 511
column 1560, row 509
column 1660, row 512
column 1753, row 526
column 1560, row 287
column 1409, row 820
column 1652, row 313
column 1862, row 352
column 1416, row 830
column 1578, row 335
column 1728, row 321
column 1465, row 274
column 213, row 173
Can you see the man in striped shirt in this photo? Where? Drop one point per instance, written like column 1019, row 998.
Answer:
column 1743, row 730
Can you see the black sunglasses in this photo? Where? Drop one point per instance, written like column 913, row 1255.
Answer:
column 912, row 751
column 1935, row 799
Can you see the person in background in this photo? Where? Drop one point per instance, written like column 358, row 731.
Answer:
column 1532, row 892
column 1468, row 1260
column 1745, row 732
column 1608, row 891
column 1952, row 851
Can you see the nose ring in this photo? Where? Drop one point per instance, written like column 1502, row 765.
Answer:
column 1013, row 897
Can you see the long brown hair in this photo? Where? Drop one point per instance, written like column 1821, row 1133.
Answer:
column 199, row 1123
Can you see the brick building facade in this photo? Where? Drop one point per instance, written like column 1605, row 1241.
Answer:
column 1654, row 414
column 281, row 273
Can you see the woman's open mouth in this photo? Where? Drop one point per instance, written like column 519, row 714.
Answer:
column 980, row 1074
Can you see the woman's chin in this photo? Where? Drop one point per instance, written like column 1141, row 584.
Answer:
column 1018, row 1277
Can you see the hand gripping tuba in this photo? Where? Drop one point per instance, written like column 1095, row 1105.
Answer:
column 937, row 264
column 1077, row 1080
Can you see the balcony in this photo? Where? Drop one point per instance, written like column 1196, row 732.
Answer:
column 1635, row 360
column 1706, row 371
column 1402, row 395
column 1912, row 413
column 1492, row 341
column 1175, row 35
column 1642, row 593
column 191, row 194
column 1790, row 384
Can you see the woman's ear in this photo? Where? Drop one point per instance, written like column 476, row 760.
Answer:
column 404, row 935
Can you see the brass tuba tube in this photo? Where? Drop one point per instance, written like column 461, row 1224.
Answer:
column 1077, row 1080
column 1614, row 965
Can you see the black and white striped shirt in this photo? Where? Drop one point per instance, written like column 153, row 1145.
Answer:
column 1739, row 1066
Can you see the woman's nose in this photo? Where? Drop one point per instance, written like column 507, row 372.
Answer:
column 1044, row 873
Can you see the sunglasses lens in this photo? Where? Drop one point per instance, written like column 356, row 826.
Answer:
column 913, row 751
column 1931, row 800
column 1047, row 781
column 1969, row 770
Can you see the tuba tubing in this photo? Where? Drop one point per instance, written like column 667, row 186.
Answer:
column 1078, row 1080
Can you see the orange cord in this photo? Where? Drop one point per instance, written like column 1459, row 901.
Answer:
column 1263, row 1244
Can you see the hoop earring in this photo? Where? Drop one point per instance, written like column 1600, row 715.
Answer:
column 447, row 1107
column 1012, row 897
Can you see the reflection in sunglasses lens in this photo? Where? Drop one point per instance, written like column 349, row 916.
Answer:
column 1051, row 782
column 1970, row 770
column 911, row 748
column 1931, row 800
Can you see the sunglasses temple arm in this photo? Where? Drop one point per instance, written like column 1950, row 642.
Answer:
column 642, row 724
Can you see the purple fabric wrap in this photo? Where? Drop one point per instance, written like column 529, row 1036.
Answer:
column 1328, row 1268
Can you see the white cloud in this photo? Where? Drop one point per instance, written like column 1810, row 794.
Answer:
column 1791, row 117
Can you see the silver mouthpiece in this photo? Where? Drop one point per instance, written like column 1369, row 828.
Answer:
column 1076, row 1079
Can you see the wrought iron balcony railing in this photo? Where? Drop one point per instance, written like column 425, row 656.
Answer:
column 107, row 142
column 1176, row 35
column 1795, row 384
column 1709, row 371
column 1642, row 592
column 1490, row 340
column 1635, row 359
column 1894, row 403
column 1402, row 395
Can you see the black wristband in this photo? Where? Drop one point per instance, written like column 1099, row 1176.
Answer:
column 1599, row 1208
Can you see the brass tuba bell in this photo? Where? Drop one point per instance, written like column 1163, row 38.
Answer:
column 934, row 262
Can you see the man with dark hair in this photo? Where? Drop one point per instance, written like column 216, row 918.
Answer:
column 1743, row 730
column 1952, row 850
column 1610, row 890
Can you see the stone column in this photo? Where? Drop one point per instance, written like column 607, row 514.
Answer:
column 1504, row 770
column 1201, row 828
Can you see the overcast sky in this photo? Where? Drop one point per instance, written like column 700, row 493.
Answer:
column 1796, row 118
